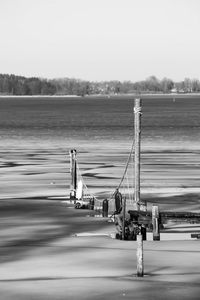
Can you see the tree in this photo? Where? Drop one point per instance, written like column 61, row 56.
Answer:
column 153, row 84
column 195, row 83
column 166, row 85
column 187, row 85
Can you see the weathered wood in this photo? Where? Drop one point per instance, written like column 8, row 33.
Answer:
column 105, row 208
column 195, row 235
column 144, row 232
column 167, row 214
column 91, row 203
column 155, row 223
column 141, row 217
column 73, row 172
column 140, row 259
column 137, row 135
column 179, row 214
column 118, row 201
column 124, row 218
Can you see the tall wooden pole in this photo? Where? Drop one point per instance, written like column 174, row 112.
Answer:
column 137, row 134
column 73, row 172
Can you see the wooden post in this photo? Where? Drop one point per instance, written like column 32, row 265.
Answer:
column 73, row 172
column 124, row 218
column 155, row 223
column 105, row 208
column 140, row 259
column 137, row 134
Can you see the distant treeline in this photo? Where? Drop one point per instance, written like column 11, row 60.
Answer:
column 19, row 85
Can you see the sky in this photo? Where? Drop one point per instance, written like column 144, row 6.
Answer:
column 100, row 39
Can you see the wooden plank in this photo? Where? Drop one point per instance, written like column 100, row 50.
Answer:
column 145, row 218
column 166, row 214
column 169, row 214
column 195, row 235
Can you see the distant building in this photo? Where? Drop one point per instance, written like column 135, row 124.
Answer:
column 174, row 90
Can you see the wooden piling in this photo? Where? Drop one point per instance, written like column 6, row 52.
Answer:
column 155, row 223
column 124, row 218
column 137, row 135
column 105, row 208
column 140, row 257
column 73, row 172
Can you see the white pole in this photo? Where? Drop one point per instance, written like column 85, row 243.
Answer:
column 140, row 259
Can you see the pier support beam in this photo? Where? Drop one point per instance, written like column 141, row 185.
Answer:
column 73, row 172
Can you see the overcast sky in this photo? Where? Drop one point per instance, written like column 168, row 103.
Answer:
column 100, row 39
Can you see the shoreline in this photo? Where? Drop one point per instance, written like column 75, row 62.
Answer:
column 40, row 96
column 116, row 96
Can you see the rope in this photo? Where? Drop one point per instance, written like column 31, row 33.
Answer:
column 126, row 167
column 137, row 110
column 122, row 178
column 129, row 193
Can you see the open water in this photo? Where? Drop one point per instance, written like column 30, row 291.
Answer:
column 36, row 134
column 82, row 122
